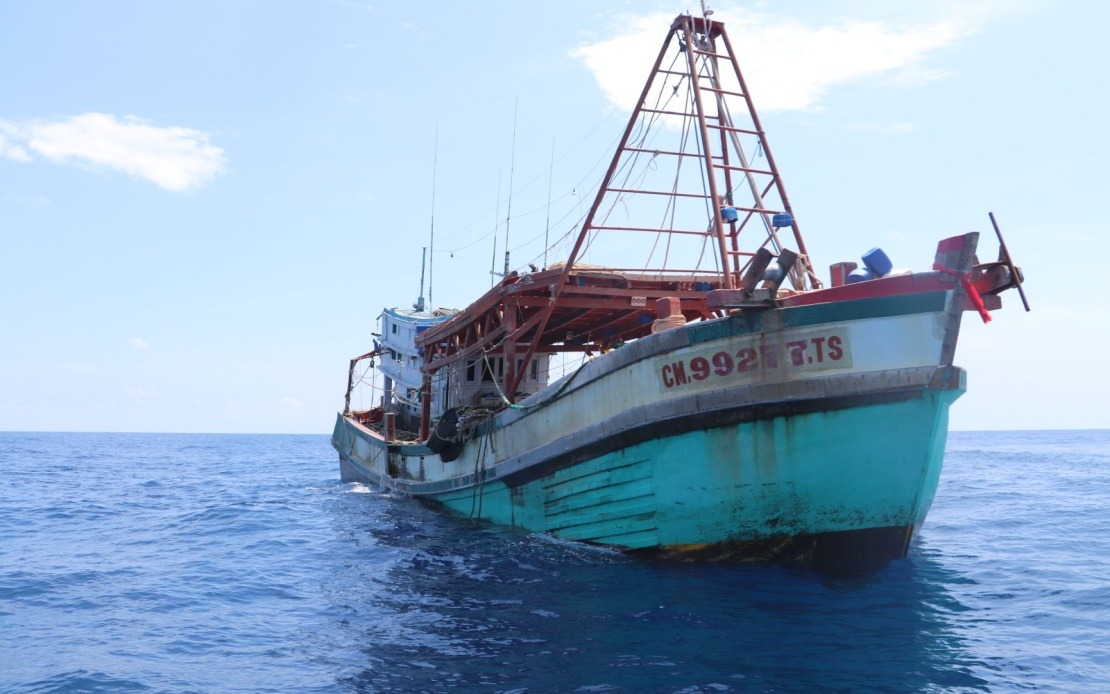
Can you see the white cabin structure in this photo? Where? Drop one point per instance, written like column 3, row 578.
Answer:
column 471, row 383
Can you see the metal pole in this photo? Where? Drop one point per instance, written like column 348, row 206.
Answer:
column 1005, row 253
column 710, row 173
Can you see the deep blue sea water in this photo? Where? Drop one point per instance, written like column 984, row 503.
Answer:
column 217, row 563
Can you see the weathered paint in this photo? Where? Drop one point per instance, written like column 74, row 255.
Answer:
column 833, row 437
column 815, row 473
column 824, row 472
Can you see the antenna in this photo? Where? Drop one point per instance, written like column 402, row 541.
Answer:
column 550, row 175
column 509, row 212
column 419, row 305
column 493, row 273
column 493, row 261
column 432, row 241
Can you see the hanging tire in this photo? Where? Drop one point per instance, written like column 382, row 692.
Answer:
column 451, row 451
column 445, row 431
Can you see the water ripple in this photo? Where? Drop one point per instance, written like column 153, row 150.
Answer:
column 189, row 563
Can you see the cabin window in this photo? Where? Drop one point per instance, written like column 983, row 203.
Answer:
column 469, row 372
column 535, row 370
column 394, row 328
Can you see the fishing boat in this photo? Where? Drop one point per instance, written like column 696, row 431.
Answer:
column 728, row 403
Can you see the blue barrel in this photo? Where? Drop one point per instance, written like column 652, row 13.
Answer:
column 729, row 214
column 860, row 275
column 877, row 262
column 782, row 220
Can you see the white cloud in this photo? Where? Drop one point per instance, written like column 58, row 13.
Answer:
column 291, row 403
column 8, row 146
column 886, row 128
column 788, row 64
column 364, row 6
column 27, row 200
column 141, row 392
column 139, row 343
column 172, row 157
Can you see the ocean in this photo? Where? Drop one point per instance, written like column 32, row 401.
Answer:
column 240, row 563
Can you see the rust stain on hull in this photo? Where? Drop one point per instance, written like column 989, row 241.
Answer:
column 848, row 548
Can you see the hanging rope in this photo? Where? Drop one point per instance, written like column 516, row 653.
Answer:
column 972, row 292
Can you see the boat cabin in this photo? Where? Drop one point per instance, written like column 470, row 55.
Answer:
column 475, row 382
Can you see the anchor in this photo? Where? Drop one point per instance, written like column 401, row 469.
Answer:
column 1002, row 274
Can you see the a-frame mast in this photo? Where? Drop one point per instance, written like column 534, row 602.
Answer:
column 694, row 175
column 697, row 39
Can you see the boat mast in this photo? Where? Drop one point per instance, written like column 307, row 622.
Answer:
column 805, row 265
column 702, row 212
column 586, row 226
column 705, row 46
column 694, row 71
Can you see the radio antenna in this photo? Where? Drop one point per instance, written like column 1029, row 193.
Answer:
column 432, row 241
column 419, row 305
column 547, row 228
column 509, row 212
column 496, row 210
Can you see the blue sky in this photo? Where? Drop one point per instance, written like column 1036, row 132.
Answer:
column 205, row 205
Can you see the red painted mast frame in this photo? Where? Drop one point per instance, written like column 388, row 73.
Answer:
column 516, row 313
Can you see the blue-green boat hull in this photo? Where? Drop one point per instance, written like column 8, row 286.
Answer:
column 811, row 431
column 846, row 482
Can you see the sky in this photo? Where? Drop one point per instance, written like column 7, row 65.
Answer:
column 205, row 205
